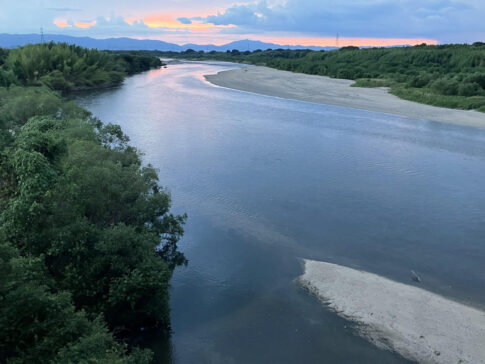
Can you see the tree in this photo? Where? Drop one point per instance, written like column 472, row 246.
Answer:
column 87, row 240
column 101, row 220
column 39, row 325
column 65, row 67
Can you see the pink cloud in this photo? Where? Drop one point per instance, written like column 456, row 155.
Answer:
column 85, row 25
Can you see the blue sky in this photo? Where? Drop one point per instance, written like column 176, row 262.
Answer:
column 220, row 21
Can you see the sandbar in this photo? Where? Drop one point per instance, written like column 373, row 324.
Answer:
column 418, row 324
column 331, row 91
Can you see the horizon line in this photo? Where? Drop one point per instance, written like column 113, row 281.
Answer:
column 321, row 42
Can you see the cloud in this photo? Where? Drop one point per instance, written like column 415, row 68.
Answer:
column 236, row 15
column 184, row 20
column 62, row 23
column 117, row 25
column 115, row 22
column 64, row 10
column 375, row 18
column 84, row 24
column 446, row 20
column 103, row 27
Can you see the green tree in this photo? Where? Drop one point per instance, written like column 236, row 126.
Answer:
column 87, row 241
column 65, row 67
column 100, row 219
column 39, row 325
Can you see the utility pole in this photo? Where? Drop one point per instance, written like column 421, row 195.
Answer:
column 336, row 40
column 42, row 40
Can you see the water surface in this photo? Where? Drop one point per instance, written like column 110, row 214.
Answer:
column 266, row 181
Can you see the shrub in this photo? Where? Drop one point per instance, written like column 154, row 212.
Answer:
column 470, row 89
column 445, row 87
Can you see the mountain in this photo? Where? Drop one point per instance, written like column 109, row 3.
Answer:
column 18, row 40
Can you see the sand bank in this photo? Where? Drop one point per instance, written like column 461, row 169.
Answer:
column 418, row 324
column 325, row 90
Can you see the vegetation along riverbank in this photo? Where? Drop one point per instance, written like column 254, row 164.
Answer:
column 450, row 75
column 87, row 240
column 334, row 91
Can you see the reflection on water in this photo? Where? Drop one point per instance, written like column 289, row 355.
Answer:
column 266, row 181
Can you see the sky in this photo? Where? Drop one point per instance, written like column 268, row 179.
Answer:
column 304, row 22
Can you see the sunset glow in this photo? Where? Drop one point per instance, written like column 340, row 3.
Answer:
column 170, row 21
column 206, row 32
column 85, row 25
column 285, row 22
column 215, row 38
column 343, row 42
column 61, row 23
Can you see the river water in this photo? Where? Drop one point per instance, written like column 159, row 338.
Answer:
column 267, row 181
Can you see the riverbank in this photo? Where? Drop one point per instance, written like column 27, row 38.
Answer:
column 418, row 324
column 331, row 91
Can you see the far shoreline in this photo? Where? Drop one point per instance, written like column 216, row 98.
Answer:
column 338, row 92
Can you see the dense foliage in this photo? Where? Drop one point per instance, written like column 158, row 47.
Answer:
column 444, row 75
column 87, row 241
column 66, row 67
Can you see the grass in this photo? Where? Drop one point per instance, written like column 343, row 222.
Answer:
column 372, row 82
column 427, row 96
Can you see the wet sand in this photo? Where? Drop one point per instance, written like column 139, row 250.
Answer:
column 325, row 90
column 416, row 323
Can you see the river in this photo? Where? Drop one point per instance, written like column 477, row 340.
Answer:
column 267, row 181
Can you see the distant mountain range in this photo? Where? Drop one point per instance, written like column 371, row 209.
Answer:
column 18, row 40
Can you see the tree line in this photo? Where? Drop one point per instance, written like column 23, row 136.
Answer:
column 87, row 240
column 451, row 75
column 67, row 68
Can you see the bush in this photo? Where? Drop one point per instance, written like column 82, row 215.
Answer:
column 371, row 82
column 470, row 89
column 478, row 78
column 20, row 104
column 7, row 78
column 445, row 87
column 56, row 81
column 421, row 80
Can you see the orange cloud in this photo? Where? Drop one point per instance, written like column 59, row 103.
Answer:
column 85, row 25
column 61, row 23
column 342, row 42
